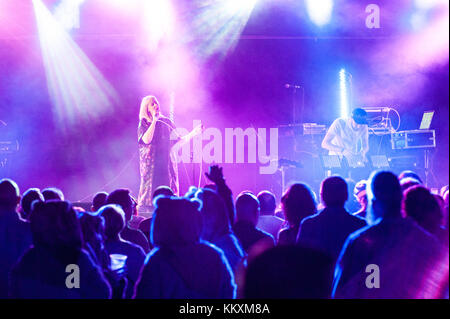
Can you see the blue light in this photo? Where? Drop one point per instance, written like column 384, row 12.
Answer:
column 343, row 93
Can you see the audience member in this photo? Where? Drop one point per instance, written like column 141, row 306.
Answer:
column 441, row 201
column 136, row 219
column 92, row 229
column 215, row 175
column 52, row 193
column 410, row 174
column 360, row 194
column 280, row 214
column 392, row 254
column 15, row 236
column 114, row 223
column 123, row 198
column 422, row 206
column 28, row 198
column 328, row 229
column 44, row 271
column 216, row 227
column 98, row 201
column 408, row 182
column 247, row 213
column 443, row 190
column 163, row 190
column 396, row 240
column 182, row 266
column 297, row 203
column 445, row 197
column 446, row 206
column 289, row 272
column 352, row 204
column 144, row 225
column 267, row 220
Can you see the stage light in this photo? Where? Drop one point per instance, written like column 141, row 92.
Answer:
column 219, row 24
column 319, row 11
column 343, row 93
column 234, row 6
column 67, row 13
column 158, row 21
column 77, row 90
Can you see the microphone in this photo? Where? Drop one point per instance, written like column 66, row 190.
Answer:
column 292, row 86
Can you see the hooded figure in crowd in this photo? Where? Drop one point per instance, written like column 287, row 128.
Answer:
column 181, row 265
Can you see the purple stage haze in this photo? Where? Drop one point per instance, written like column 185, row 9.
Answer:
column 232, row 77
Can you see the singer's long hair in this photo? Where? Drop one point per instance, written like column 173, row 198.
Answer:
column 143, row 111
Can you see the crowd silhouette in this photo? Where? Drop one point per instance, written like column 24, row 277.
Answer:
column 210, row 244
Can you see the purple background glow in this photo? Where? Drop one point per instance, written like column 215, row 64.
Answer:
column 394, row 66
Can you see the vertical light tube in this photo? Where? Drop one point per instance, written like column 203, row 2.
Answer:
column 343, row 93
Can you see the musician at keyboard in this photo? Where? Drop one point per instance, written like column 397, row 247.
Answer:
column 348, row 137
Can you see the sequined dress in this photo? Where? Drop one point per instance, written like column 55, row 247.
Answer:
column 155, row 163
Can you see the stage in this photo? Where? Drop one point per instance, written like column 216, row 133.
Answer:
column 71, row 90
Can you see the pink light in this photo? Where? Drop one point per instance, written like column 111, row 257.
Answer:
column 431, row 45
column 401, row 64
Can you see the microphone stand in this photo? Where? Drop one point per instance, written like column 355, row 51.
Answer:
column 193, row 169
column 295, row 117
column 282, row 169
